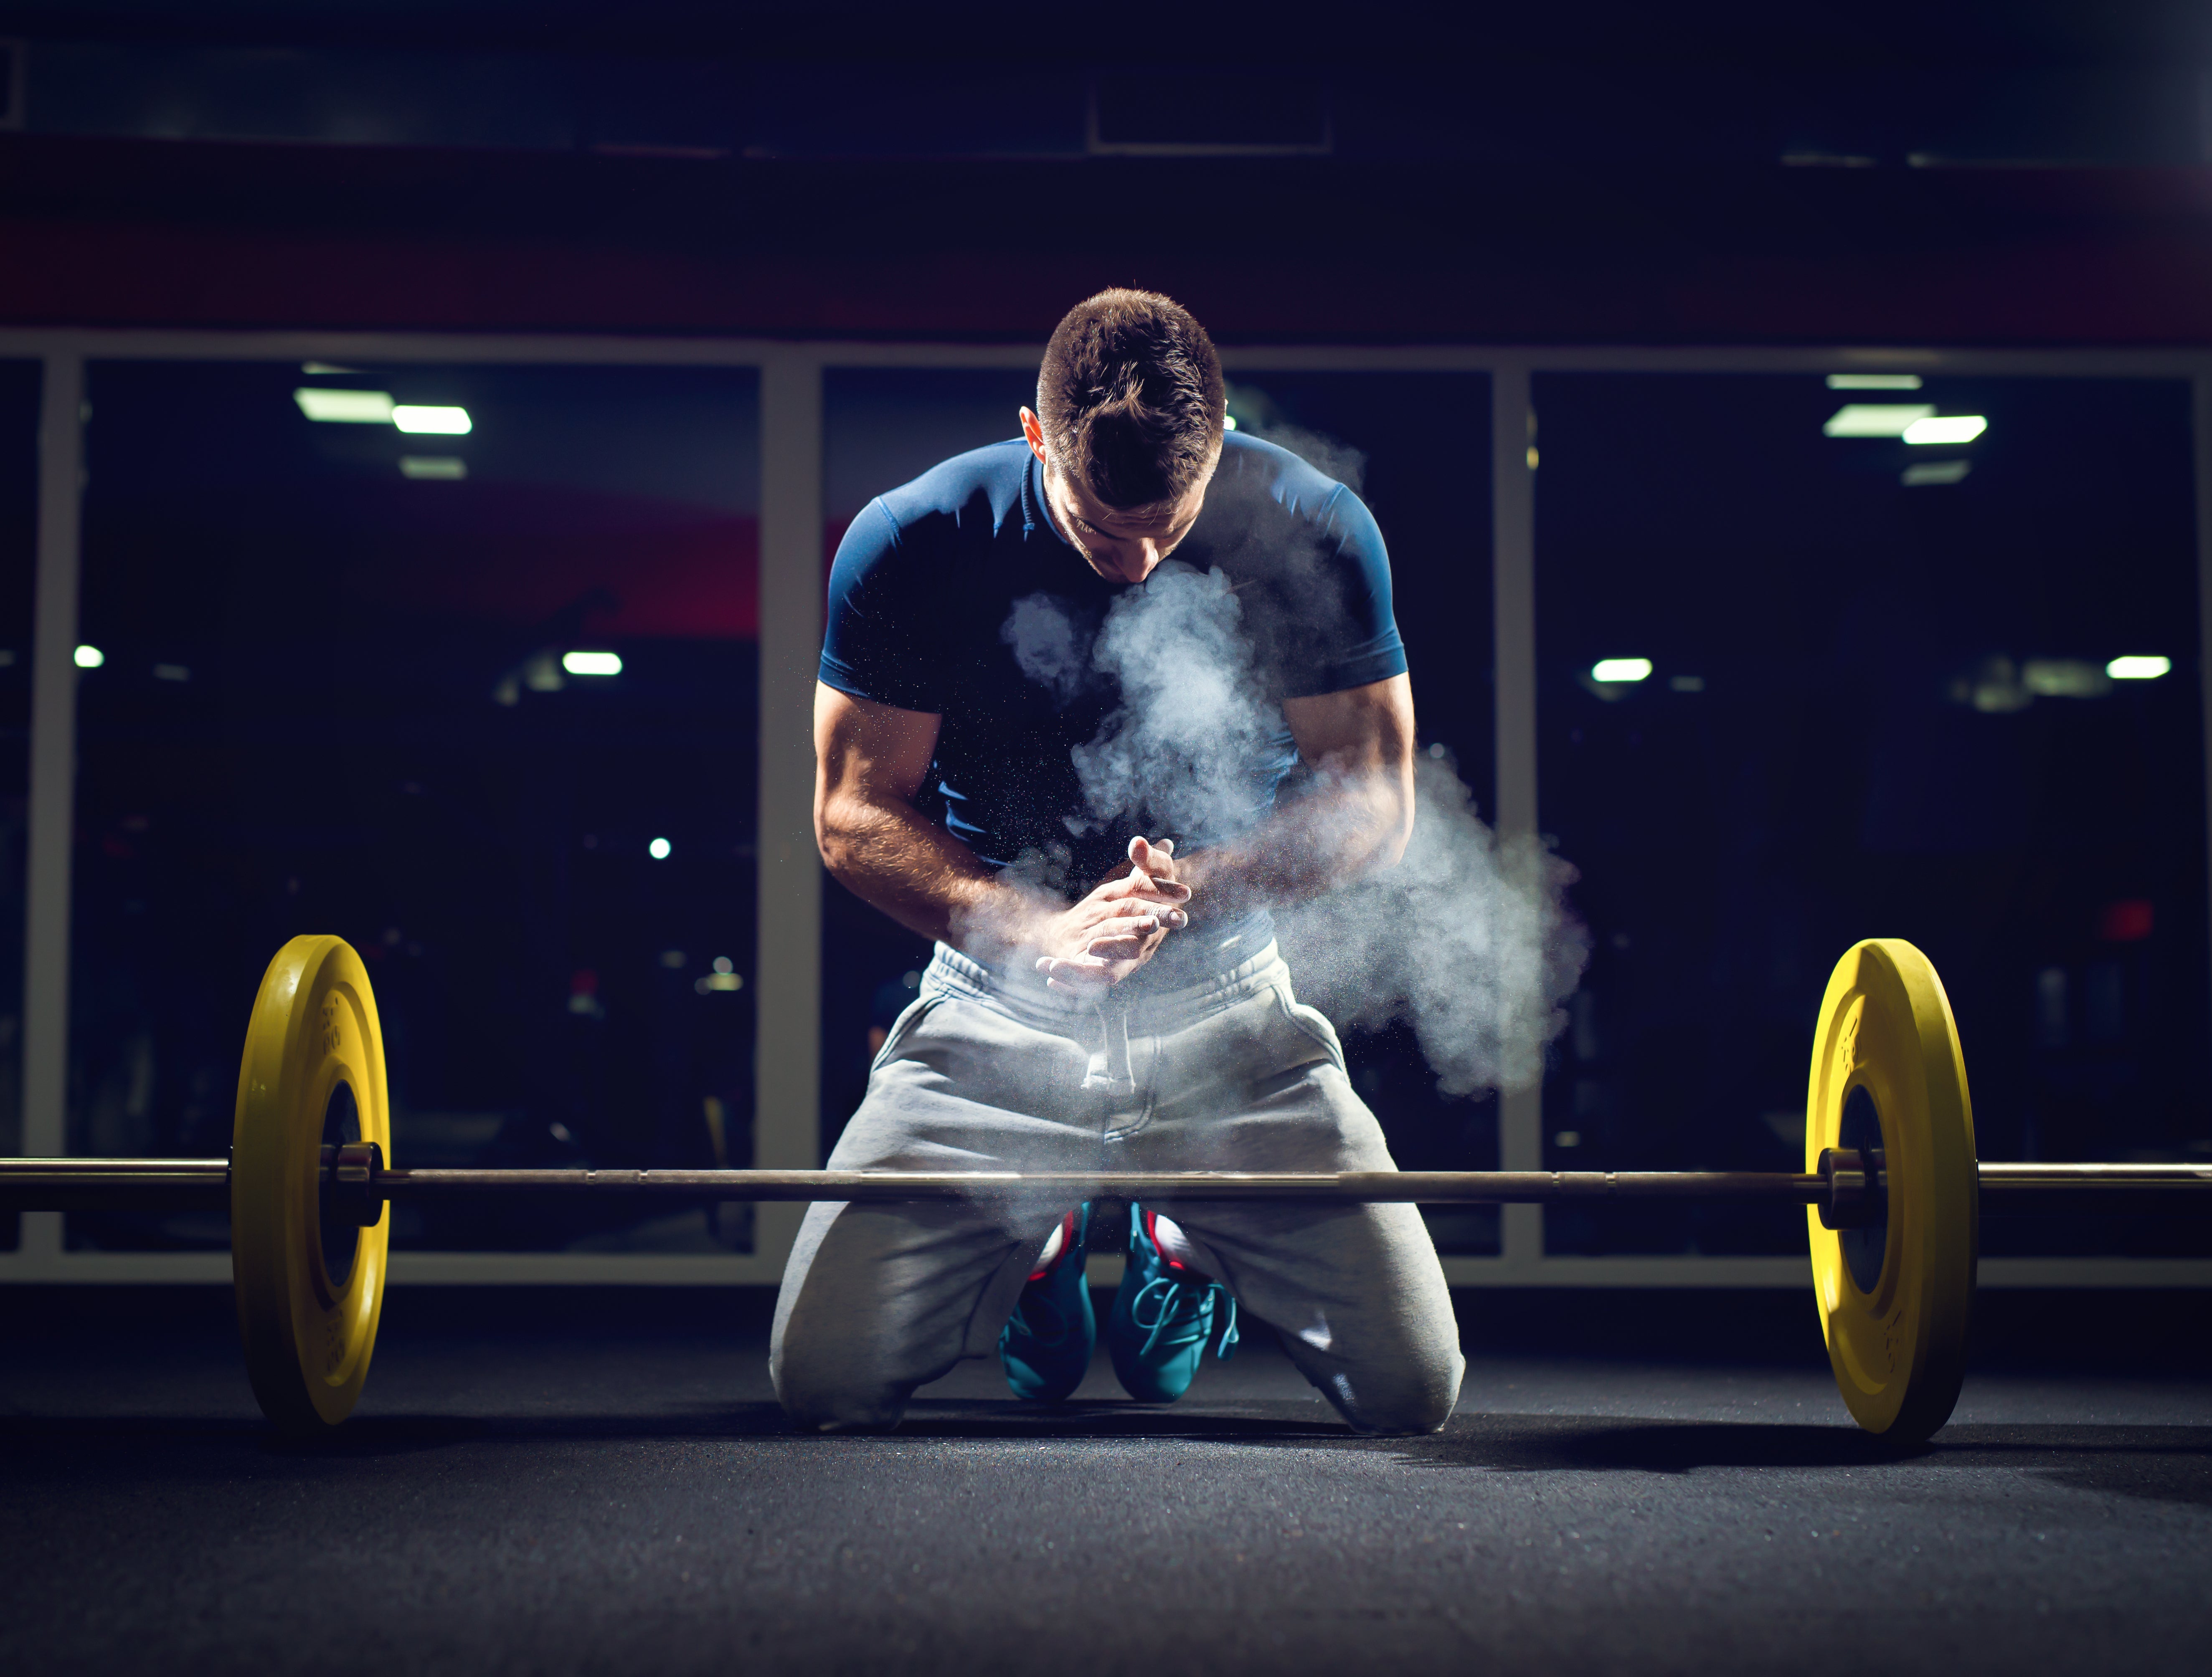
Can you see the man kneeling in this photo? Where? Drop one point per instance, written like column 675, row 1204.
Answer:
column 1106, row 993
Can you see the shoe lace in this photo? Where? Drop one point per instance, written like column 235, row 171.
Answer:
column 1183, row 1307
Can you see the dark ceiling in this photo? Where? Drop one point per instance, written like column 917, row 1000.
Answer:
column 1985, row 173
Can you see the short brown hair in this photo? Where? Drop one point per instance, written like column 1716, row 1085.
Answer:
column 1130, row 397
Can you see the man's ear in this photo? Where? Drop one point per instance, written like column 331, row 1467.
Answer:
column 1033, row 432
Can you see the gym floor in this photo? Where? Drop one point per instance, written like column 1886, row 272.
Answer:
column 577, row 1481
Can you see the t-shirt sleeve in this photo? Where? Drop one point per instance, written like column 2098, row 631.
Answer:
column 873, row 642
column 1360, row 644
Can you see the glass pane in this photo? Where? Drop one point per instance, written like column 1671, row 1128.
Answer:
column 19, row 517
column 1880, row 701
column 337, row 694
column 1416, row 445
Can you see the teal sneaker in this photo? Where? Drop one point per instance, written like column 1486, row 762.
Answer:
column 1045, row 1346
column 1164, row 1314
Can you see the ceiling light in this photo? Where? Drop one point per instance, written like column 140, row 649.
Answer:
column 1936, row 471
column 91, row 658
column 659, row 849
column 1876, row 419
column 434, row 468
column 2120, row 669
column 1951, row 428
column 430, row 421
column 591, row 663
column 346, row 407
column 1874, row 382
column 1620, row 669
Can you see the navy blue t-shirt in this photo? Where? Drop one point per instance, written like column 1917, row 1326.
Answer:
column 935, row 579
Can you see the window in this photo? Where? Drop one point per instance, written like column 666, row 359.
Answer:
column 1805, row 681
column 476, row 690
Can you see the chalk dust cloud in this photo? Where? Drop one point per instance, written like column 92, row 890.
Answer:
column 1468, row 940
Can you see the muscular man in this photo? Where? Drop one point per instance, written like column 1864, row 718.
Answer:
column 1106, row 993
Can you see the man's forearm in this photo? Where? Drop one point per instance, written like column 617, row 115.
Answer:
column 896, row 860
column 1344, row 827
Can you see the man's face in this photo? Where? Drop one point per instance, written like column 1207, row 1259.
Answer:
column 1122, row 546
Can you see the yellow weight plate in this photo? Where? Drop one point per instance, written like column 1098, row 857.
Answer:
column 313, row 1076
column 1894, row 1298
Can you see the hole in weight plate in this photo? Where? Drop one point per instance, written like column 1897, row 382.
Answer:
column 1865, row 1247
column 341, row 1125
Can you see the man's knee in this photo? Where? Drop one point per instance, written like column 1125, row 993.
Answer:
column 1414, row 1398
column 820, row 1397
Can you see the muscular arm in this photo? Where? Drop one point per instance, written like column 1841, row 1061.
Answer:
column 870, row 760
column 1356, row 815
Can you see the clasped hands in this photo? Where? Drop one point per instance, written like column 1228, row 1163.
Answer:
column 1100, row 940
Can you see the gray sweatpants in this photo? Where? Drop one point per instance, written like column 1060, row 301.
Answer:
column 989, row 1072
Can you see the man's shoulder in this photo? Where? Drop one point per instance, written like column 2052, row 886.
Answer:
column 1266, row 496
column 978, row 491
column 1253, row 465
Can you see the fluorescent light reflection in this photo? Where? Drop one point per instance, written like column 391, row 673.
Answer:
column 1936, row 471
column 2129, row 669
column 1951, row 428
column 2063, row 679
column 1874, row 382
column 419, row 420
column 345, row 407
column 591, row 663
column 434, row 468
column 1876, row 419
column 1620, row 669
column 90, row 657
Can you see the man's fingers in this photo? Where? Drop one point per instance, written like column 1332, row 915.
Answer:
column 1143, row 885
column 1140, row 919
column 1075, row 978
column 1156, row 859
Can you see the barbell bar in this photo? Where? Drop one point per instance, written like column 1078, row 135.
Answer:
column 1893, row 1190
column 354, row 1180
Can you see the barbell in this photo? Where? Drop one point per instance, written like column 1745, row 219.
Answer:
column 1891, row 1187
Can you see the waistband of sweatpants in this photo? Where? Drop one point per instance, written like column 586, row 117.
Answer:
column 1146, row 1012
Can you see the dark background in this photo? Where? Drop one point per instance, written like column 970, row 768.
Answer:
column 1989, row 172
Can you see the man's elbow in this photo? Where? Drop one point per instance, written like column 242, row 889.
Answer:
column 837, row 837
column 1397, row 833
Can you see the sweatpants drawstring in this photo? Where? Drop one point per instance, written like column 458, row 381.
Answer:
column 1109, row 1067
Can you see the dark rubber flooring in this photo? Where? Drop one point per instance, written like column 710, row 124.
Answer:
column 598, row 1482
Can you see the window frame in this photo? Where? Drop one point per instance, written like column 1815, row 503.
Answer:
column 789, row 882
